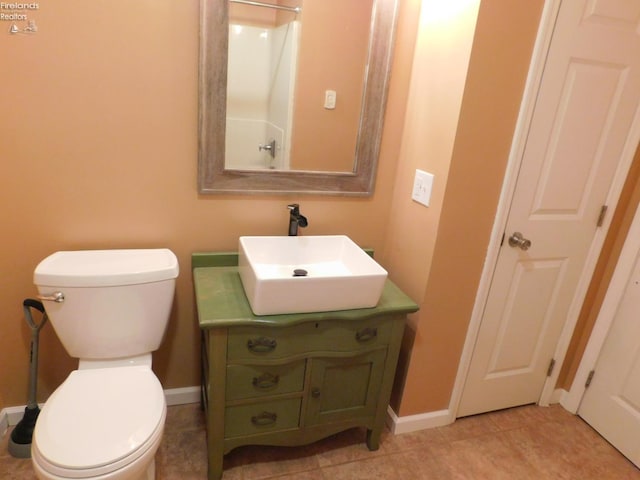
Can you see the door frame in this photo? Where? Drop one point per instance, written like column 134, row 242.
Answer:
column 606, row 316
column 525, row 116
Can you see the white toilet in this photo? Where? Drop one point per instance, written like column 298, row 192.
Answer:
column 110, row 309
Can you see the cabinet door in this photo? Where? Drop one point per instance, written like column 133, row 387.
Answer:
column 344, row 388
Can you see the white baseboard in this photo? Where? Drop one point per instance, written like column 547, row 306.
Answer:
column 10, row 416
column 4, row 422
column 558, row 395
column 440, row 418
column 422, row 421
column 570, row 400
column 180, row 396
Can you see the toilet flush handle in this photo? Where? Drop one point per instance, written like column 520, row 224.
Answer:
column 57, row 297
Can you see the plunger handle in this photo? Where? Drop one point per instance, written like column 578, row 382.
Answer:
column 27, row 305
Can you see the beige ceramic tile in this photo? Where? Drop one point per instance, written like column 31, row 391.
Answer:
column 182, row 454
column 13, row 468
column 380, row 467
column 516, row 417
column 310, row 475
column 468, row 427
column 267, row 462
column 411, row 440
column 484, row 457
column 522, row 443
column 344, row 447
column 185, row 417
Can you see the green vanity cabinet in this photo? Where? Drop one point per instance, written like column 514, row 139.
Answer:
column 291, row 379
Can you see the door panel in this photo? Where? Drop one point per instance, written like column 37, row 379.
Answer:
column 520, row 335
column 583, row 116
column 611, row 404
column 572, row 138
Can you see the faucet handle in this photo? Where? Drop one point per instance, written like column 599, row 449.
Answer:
column 295, row 219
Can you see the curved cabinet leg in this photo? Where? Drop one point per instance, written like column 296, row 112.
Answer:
column 215, row 469
column 373, row 439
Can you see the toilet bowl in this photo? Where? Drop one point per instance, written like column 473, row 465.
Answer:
column 103, row 423
column 110, row 309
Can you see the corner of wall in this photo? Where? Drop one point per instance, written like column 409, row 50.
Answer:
column 438, row 77
column 492, row 58
column 413, row 423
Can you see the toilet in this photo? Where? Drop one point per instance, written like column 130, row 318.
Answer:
column 110, row 309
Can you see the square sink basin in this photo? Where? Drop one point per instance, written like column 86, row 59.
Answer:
column 308, row 274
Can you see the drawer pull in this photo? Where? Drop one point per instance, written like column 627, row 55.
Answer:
column 265, row 381
column 264, row 419
column 366, row 334
column 262, row 345
column 315, row 393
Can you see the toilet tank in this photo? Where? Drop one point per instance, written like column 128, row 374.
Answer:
column 110, row 303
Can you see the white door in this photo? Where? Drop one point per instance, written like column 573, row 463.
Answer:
column 611, row 403
column 584, row 111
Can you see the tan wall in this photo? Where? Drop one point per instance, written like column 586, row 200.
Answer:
column 99, row 150
column 447, row 257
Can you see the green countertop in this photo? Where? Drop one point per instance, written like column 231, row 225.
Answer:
column 221, row 300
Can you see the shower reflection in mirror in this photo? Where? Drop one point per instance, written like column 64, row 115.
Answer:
column 260, row 91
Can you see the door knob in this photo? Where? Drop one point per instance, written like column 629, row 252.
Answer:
column 518, row 240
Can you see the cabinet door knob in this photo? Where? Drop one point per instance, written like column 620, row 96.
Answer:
column 265, row 381
column 262, row 344
column 366, row 334
column 264, row 419
column 315, row 393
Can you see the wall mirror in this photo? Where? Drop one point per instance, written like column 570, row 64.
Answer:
column 292, row 94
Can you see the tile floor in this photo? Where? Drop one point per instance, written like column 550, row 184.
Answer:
column 521, row 443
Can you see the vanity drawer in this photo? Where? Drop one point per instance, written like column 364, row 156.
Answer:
column 261, row 417
column 248, row 381
column 249, row 343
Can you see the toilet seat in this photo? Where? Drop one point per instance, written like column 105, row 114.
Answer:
column 99, row 420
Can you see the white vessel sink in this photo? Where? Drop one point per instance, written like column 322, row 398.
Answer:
column 308, row 274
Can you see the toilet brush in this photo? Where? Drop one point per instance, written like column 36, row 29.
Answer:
column 20, row 440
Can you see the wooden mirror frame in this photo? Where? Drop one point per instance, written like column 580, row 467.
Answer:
column 214, row 178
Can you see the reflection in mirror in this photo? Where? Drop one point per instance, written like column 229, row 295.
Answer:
column 261, row 70
column 292, row 98
column 280, row 92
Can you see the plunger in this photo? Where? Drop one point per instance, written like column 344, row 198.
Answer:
column 20, row 440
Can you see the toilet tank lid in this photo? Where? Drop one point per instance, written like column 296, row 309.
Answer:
column 99, row 268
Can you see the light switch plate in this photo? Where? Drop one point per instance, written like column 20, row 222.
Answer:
column 330, row 99
column 422, row 186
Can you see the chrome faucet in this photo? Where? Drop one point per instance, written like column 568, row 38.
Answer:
column 296, row 219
